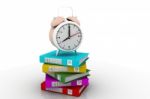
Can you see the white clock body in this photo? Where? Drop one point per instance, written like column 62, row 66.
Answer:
column 67, row 36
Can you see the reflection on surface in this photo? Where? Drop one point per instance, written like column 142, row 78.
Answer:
column 52, row 95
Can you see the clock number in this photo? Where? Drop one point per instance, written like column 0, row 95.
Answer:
column 58, row 37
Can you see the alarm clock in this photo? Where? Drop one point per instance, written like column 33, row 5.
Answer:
column 65, row 34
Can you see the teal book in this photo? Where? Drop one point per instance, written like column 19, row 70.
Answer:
column 66, row 59
column 68, row 77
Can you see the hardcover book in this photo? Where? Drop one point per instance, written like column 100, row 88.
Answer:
column 68, row 59
column 67, row 77
column 73, row 91
column 51, row 82
column 58, row 68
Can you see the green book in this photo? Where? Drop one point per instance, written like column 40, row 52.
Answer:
column 67, row 77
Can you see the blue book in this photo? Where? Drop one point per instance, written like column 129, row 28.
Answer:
column 66, row 59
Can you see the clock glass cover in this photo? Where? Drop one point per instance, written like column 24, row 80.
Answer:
column 69, row 36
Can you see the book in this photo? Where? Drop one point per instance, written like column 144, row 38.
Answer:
column 67, row 59
column 67, row 77
column 73, row 91
column 58, row 68
column 51, row 82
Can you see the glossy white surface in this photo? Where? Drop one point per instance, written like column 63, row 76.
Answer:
column 109, row 81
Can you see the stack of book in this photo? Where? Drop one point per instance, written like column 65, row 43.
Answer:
column 66, row 73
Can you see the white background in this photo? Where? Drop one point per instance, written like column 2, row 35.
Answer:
column 116, row 34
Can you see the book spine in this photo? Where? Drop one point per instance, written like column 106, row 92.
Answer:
column 43, row 86
column 65, row 90
column 65, row 79
column 71, row 92
column 51, row 60
column 79, row 82
column 81, row 69
column 65, row 62
column 71, row 62
column 53, row 68
column 59, row 84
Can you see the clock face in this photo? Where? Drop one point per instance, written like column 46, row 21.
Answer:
column 68, row 36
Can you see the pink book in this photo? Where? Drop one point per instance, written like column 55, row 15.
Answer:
column 52, row 82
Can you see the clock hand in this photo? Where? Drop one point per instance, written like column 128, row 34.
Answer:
column 69, row 37
column 69, row 30
column 74, row 34
column 66, row 39
column 68, row 34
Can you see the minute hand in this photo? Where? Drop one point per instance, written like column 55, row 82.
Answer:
column 69, row 30
column 74, row 34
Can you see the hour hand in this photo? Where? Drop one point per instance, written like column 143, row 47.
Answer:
column 65, row 39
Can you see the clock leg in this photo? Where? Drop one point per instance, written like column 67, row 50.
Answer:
column 75, row 52
column 57, row 52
